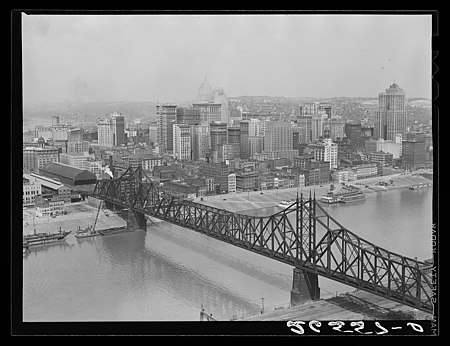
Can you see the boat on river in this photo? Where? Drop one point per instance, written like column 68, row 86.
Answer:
column 345, row 194
column 86, row 232
column 43, row 238
column 114, row 230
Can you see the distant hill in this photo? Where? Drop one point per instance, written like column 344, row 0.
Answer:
column 88, row 112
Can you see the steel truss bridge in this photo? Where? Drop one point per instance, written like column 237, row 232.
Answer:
column 303, row 235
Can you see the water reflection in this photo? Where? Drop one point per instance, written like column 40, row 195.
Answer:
column 62, row 245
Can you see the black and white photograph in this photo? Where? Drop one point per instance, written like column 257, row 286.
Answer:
column 230, row 166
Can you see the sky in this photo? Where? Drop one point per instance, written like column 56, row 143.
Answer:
column 164, row 58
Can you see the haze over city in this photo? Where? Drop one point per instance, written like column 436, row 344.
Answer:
column 108, row 58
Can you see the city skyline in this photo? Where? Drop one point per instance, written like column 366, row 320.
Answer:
column 90, row 58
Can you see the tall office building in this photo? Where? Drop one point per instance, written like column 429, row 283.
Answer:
column 353, row 133
column 215, row 96
column 413, row 154
column 252, row 133
column 244, row 134
column 153, row 133
column 219, row 137
column 326, row 151
column 200, row 142
column 36, row 158
column 111, row 131
column 317, row 121
column 278, row 136
column 309, row 109
column 105, row 132
column 304, row 125
column 182, row 148
column 166, row 116
column 188, row 115
column 326, row 108
column 335, row 128
column 221, row 98
column 234, row 142
column 118, row 128
column 234, row 134
column 209, row 112
column 391, row 117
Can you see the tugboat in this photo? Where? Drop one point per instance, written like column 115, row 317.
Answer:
column 86, row 232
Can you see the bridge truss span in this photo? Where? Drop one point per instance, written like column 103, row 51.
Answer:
column 303, row 235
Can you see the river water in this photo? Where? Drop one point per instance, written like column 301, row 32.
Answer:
column 168, row 272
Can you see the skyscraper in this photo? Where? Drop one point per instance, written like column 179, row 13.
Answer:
column 209, row 112
column 278, row 136
column 413, row 154
column 215, row 96
column 111, row 131
column 188, row 115
column 221, row 98
column 182, row 134
column 304, row 124
column 104, row 130
column 317, row 121
column 218, row 131
column 244, row 134
column 118, row 128
column 335, row 127
column 353, row 133
column 166, row 115
column 200, row 141
column 391, row 117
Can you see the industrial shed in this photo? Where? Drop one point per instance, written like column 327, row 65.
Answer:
column 68, row 175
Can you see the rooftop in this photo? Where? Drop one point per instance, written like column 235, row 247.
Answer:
column 65, row 170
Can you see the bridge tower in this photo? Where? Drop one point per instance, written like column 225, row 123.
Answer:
column 136, row 220
column 305, row 286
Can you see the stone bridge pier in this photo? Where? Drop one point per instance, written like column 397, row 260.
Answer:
column 305, row 286
column 136, row 220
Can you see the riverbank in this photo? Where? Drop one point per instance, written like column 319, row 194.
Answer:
column 79, row 214
column 244, row 201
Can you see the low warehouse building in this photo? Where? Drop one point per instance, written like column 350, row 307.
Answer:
column 71, row 176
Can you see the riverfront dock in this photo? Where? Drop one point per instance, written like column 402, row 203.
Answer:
column 79, row 214
column 241, row 202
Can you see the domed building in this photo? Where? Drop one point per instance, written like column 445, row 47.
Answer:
column 205, row 92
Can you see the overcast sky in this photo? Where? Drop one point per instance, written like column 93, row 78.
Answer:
column 166, row 57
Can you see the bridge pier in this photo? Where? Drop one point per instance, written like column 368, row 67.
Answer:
column 136, row 220
column 108, row 205
column 305, row 286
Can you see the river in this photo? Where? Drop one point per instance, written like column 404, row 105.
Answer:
column 168, row 272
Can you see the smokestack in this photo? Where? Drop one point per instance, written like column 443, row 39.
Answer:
column 111, row 167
